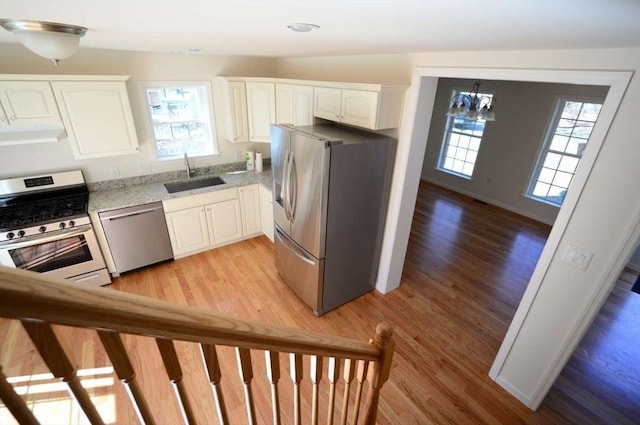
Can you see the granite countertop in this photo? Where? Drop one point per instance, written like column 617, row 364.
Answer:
column 129, row 192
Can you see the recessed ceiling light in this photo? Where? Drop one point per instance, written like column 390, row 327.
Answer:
column 299, row 27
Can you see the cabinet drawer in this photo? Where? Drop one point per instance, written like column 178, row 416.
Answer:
column 176, row 204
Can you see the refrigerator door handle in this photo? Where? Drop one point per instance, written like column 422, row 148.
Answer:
column 293, row 187
column 284, row 191
column 303, row 256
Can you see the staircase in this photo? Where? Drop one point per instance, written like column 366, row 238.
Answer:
column 40, row 302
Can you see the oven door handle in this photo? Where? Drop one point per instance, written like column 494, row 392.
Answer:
column 37, row 239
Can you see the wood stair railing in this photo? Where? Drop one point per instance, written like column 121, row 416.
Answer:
column 39, row 301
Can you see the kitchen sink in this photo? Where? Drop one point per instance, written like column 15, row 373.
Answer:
column 193, row 184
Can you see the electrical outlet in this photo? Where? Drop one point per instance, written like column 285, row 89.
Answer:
column 114, row 172
column 145, row 167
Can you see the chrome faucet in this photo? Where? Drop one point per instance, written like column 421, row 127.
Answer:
column 190, row 171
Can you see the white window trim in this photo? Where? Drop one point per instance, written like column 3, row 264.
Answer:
column 552, row 123
column 144, row 85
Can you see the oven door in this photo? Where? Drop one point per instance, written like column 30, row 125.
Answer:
column 65, row 254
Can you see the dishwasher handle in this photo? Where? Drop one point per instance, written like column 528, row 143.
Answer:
column 130, row 214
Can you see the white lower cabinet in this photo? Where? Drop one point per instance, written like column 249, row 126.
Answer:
column 250, row 203
column 266, row 211
column 224, row 221
column 188, row 231
column 200, row 222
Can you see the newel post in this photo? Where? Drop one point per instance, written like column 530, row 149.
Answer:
column 379, row 370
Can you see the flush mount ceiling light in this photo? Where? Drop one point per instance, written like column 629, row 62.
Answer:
column 472, row 105
column 299, row 27
column 47, row 39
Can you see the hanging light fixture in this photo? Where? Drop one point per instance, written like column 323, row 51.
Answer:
column 473, row 106
column 47, row 39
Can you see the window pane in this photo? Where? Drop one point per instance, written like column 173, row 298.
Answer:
column 453, row 141
column 565, row 127
column 559, row 143
column 571, row 110
column 541, row 189
column 475, row 144
column 562, row 179
column 574, row 146
column 582, row 129
column 458, row 166
column 590, row 112
column 471, row 156
column 568, row 164
column 464, row 141
column 546, row 175
column 468, row 169
column 552, row 160
column 451, row 151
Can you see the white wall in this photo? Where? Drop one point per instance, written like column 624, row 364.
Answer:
column 605, row 213
column 19, row 160
column 510, row 145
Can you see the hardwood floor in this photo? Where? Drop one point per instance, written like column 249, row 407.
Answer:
column 467, row 267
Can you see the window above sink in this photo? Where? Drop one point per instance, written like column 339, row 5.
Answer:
column 181, row 119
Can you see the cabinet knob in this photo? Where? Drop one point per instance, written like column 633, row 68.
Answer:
column 13, row 118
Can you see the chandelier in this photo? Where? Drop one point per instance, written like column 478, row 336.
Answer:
column 472, row 105
column 47, row 39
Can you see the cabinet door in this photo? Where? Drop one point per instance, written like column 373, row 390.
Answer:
column 250, row 208
column 188, row 231
column 359, row 108
column 294, row 104
column 327, row 103
column 266, row 212
column 98, row 118
column 261, row 110
column 28, row 102
column 224, row 222
column 237, row 126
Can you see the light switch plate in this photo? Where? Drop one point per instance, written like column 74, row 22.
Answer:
column 577, row 257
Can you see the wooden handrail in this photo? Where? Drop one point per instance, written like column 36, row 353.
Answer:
column 39, row 301
column 30, row 296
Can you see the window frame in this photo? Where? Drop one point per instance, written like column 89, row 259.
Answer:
column 446, row 138
column 205, row 88
column 547, row 138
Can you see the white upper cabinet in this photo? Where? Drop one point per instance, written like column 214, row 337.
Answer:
column 261, row 110
column 294, row 104
column 235, row 97
column 97, row 116
column 28, row 103
column 372, row 109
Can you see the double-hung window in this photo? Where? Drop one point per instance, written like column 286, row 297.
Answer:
column 181, row 119
column 566, row 138
column 461, row 143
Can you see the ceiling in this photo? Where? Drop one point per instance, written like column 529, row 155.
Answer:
column 347, row 27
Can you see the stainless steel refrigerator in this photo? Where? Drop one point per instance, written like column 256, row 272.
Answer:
column 331, row 186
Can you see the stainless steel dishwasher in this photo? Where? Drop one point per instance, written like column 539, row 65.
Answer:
column 137, row 236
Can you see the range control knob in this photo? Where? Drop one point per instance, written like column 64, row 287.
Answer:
column 72, row 223
column 21, row 233
column 62, row 225
column 10, row 235
column 42, row 229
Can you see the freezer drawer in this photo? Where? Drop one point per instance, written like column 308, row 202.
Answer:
column 302, row 272
column 137, row 236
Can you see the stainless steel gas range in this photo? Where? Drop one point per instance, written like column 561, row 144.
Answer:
column 45, row 227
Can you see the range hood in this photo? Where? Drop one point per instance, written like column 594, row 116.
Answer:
column 24, row 134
